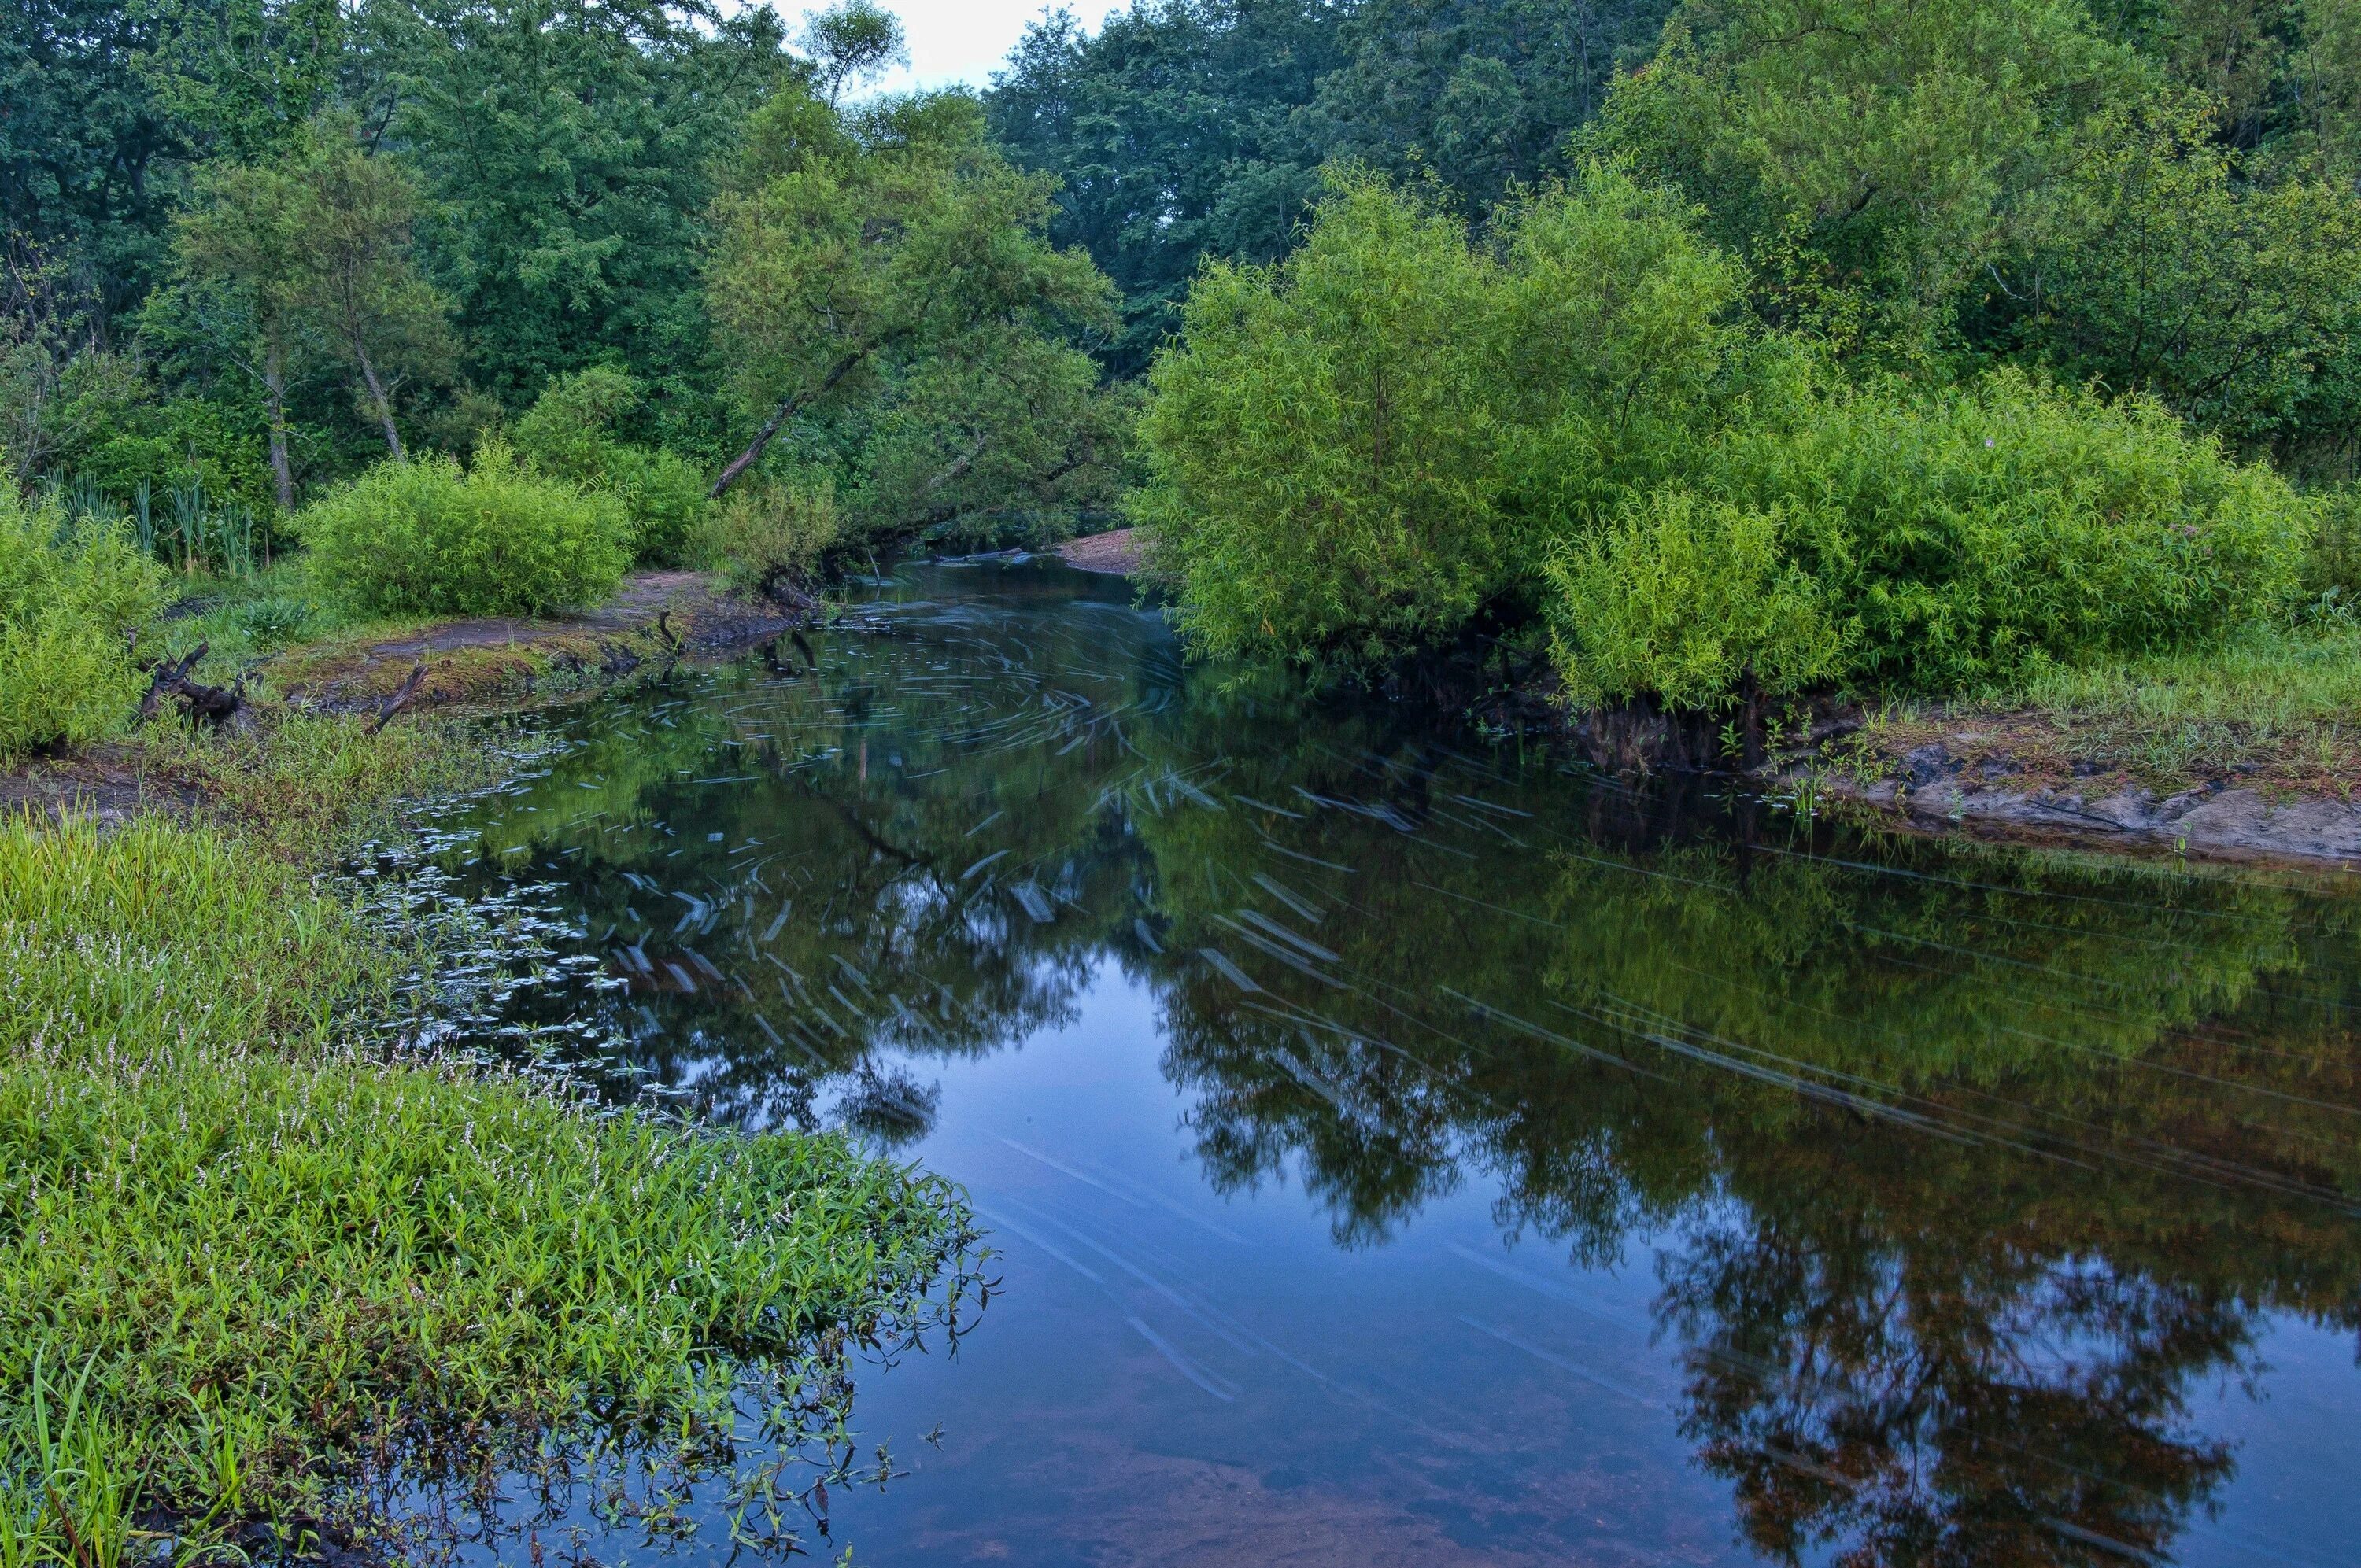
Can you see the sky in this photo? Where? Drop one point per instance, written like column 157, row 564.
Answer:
column 954, row 40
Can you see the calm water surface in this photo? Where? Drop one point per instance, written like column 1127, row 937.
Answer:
column 1405, row 1149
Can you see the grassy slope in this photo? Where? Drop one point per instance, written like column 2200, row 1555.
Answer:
column 258, row 1245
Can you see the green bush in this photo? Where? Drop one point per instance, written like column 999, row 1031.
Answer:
column 1682, row 598
column 69, row 597
column 1354, row 452
column 569, row 433
column 1927, row 541
column 425, row 538
column 1964, row 534
column 767, row 534
column 2333, row 569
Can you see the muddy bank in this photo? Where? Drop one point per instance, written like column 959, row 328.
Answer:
column 487, row 665
column 499, row 660
column 1941, row 788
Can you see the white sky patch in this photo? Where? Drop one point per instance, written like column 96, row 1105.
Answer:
column 953, row 41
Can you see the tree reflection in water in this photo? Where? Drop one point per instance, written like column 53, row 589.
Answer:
column 1962, row 1167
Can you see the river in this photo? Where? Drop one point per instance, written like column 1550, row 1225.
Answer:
column 1402, row 1147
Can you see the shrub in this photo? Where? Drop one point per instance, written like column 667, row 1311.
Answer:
column 1682, row 598
column 69, row 597
column 1320, row 444
column 570, row 434
column 768, row 534
column 2333, row 567
column 1964, row 534
column 1354, row 452
column 425, row 538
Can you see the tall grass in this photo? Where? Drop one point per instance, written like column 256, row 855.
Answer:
column 248, row 1246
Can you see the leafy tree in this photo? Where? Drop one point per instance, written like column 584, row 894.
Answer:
column 245, row 254
column 240, row 78
column 1480, row 93
column 1871, row 158
column 851, row 42
column 1173, row 134
column 86, row 149
column 1355, row 452
column 2168, row 274
column 853, row 248
column 358, row 284
column 568, row 148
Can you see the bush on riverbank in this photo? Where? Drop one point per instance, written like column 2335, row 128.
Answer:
column 429, row 538
column 70, row 594
column 571, row 433
column 768, row 534
column 1891, row 538
column 1405, row 431
column 267, row 1244
column 1356, row 451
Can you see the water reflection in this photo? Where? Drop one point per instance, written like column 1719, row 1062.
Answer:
column 1964, row 1175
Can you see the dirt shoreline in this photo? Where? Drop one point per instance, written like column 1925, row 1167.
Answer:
column 487, row 665
column 2215, row 822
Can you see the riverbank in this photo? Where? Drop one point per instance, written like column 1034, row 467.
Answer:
column 265, row 1251
column 2249, row 752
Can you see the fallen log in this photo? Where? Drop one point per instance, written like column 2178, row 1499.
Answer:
column 212, row 707
column 401, row 698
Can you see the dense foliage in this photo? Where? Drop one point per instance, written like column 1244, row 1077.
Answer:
column 1924, row 540
column 70, row 597
column 1406, row 429
column 429, row 538
column 1185, row 128
column 1458, row 287
column 574, row 432
column 1363, row 447
column 256, row 247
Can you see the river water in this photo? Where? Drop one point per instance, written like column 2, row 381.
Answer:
column 1402, row 1147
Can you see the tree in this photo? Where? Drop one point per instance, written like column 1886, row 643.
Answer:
column 1481, row 94
column 86, row 149
column 246, row 262
column 1357, row 452
column 568, row 147
column 2169, row 274
column 853, row 245
column 1872, row 159
column 1174, row 135
column 357, row 283
column 852, row 42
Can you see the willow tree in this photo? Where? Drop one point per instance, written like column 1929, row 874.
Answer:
column 854, row 247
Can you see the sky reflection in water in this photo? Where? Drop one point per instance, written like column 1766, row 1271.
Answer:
column 1408, row 1150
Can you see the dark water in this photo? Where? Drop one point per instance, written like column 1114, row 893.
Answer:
column 1409, row 1149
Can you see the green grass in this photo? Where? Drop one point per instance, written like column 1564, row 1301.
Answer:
column 247, row 1244
column 2283, row 703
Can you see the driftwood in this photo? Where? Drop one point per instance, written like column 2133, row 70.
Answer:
column 212, row 707
column 402, row 697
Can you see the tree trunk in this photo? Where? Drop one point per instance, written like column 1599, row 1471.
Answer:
column 380, row 400
column 274, row 385
column 779, row 417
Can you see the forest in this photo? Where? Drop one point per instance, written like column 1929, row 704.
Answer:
column 1843, row 345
